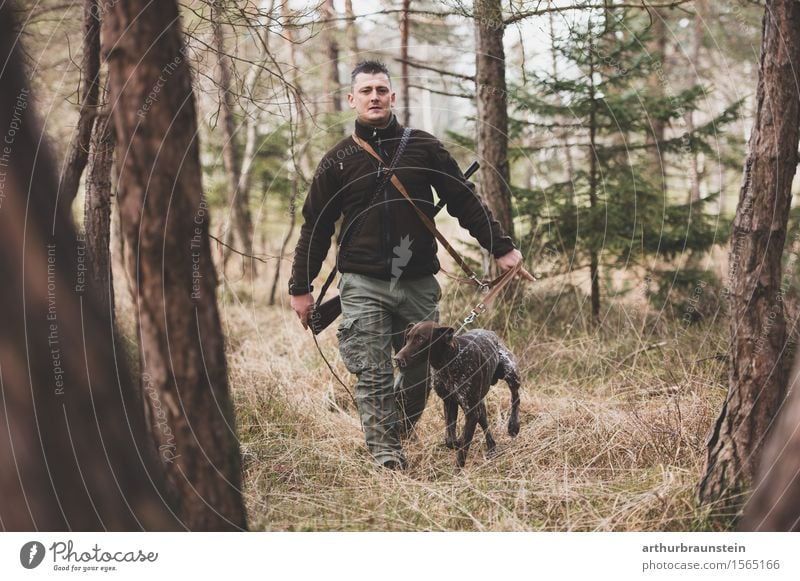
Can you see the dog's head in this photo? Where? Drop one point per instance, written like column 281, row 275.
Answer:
column 425, row 339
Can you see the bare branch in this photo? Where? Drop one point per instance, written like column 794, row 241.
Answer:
column 589, row 6
column 380, row 13
column 470, row 96
column 418, row 65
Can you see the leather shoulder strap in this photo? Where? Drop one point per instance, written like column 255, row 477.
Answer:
column 422, row 216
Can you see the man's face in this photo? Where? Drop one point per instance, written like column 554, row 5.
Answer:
column 372, row 98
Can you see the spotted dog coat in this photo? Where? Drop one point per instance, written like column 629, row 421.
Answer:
column 465, row 367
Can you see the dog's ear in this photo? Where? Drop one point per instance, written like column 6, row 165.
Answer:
column 445, row 334
column 407, row 331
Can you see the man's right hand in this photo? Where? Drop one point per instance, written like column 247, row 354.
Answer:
column 302, row 305
column 510, row 260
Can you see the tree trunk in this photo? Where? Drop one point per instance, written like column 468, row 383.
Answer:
column 90, row 89
column 333, row 96
column 97, row 215
column 289, row 233
column 775, row 503
column 561, row 134
column 240, row 204
column 252, row 119
column 405, row 90
column 297, row 157
column 165, row 222
column 757, row 382
column 246, row 175
column 594, row 259
column 73, row 445
column 697, row 44
column 352, row 33
column 694, row 166
column 490, row 79
column 658, row 54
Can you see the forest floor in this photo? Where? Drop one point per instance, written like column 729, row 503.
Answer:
column 614, row 422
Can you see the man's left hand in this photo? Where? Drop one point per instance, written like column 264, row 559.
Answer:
column 512, row 259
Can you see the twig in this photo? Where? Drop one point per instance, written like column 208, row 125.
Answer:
column 716, row 356
column 232, row 249
column 642, row 350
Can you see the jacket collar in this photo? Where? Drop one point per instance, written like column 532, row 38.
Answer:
column 367, row 132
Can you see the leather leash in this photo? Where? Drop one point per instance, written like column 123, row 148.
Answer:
column 496, row 285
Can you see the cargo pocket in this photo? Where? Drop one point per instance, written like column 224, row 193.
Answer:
column 438, row 290
column 351, row 346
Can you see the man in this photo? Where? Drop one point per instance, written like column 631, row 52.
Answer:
column 389, row 260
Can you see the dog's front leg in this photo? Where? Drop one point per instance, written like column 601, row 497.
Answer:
column 450, row 418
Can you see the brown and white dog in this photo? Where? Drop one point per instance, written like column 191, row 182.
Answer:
column 465, row 367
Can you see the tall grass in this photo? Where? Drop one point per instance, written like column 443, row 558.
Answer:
column 613, row 425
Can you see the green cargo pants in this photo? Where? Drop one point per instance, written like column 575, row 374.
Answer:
column 375, row 314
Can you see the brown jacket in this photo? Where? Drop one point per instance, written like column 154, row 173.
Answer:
column 392, row 241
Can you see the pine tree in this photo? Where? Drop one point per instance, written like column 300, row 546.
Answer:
column 614, row 212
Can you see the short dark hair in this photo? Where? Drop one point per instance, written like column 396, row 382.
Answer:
column 371, row 68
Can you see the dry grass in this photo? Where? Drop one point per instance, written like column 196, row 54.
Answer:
column 612, row 435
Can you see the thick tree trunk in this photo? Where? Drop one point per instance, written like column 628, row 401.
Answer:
column 239, row 202
column 97, row 215
column 333, row 96
column 775, row 503
column 90, row 88
column 405, row 90
column 165, row 222
column 758, row 337
column 73, row 445
column 490, row 79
